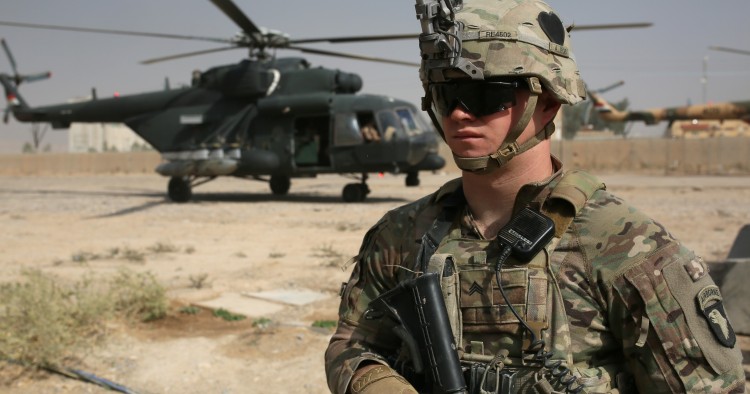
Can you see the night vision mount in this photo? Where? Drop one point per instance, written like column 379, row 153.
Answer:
column 440, row 42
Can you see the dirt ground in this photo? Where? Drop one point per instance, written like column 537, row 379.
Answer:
column 235, row 237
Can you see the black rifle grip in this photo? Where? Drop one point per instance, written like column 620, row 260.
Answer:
column 418, row 306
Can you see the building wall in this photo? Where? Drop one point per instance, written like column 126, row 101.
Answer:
column 709, row 129
column 104, row 137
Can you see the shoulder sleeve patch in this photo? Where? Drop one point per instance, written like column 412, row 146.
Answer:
column 696, row 268
column 712, row 305
column 704, row 312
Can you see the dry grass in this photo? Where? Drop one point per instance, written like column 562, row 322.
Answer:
column 45, row 320
column 329, row 254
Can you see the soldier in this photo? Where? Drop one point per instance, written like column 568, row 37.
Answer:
column 610, row 302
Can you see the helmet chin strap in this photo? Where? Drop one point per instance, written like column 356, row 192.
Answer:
column 510, row 148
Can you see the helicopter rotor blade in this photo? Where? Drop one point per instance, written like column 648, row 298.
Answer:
column 336, row 40
column 10, row 56
column 188, row 54
column 733, row 50
column 37, row 77
column 116, row 32
column 352, row 56
column 610, row 26
column 610, row 87
column 237, row 16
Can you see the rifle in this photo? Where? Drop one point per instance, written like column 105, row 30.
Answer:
column 418, row 309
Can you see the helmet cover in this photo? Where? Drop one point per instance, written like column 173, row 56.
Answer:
column 505, row 38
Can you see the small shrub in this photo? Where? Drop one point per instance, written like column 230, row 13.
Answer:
column 113, row 252
column 261, row 322
column 133, row 255
column 190, row 310
column 332, row 256
column 199, row 281
column 82, row 257
column 161, row 247
column 228, row 316
column 325, row 323
column 138, row 295
column 343, row 226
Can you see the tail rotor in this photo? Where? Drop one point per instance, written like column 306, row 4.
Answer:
column 590, row 104
column 16, row 78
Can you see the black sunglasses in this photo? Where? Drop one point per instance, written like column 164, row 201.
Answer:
column 480, row 98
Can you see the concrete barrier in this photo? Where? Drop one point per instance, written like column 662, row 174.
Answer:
column 711, row 156
column 715, row 156
column 79, row 163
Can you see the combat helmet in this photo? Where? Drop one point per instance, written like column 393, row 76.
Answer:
column 495, row 39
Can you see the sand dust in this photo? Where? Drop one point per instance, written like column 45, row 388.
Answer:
column 236, row 238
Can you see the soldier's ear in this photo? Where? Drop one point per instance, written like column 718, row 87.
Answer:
column 548, row 106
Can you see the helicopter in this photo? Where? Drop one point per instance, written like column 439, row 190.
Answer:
column 264, row 118
column 739, row 110
column 730, row 110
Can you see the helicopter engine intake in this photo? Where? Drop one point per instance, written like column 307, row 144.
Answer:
column 243, row 80
column 348, row 82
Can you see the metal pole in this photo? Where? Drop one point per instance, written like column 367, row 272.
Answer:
column 704, row 80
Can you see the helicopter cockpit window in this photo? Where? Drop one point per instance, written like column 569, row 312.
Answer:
column 407, row 121
column 390, row 123
column 423, row 125
column 346, row 130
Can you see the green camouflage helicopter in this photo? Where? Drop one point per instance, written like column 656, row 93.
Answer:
column 264, row 118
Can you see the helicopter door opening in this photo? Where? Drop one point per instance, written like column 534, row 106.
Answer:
column 311, row 142
column 368, row 127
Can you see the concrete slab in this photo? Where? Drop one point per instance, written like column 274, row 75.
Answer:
column 296, row 297
column 238, row 303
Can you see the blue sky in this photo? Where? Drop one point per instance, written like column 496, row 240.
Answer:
column 661, row 65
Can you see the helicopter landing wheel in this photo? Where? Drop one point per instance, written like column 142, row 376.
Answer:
column 355, row 192
column 179, row 189
column 279, row 184
column 412, row 179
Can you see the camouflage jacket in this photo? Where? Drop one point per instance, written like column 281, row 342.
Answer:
column 635, row 299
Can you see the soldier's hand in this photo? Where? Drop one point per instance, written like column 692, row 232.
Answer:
column 377, row 379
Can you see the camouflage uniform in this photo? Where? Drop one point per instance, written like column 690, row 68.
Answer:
column 623, row 300
column 617, row 300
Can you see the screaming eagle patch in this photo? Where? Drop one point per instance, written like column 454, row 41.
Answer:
column 712, row 305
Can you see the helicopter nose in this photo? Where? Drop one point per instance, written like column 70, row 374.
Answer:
column 432, row 161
